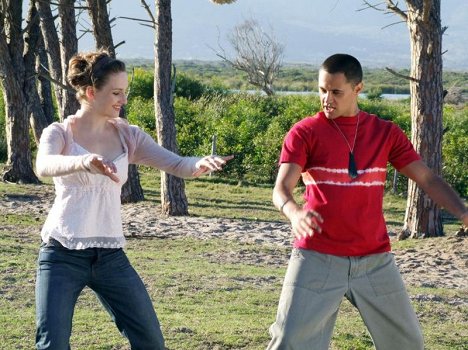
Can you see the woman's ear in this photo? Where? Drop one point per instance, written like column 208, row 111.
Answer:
column 89, row 93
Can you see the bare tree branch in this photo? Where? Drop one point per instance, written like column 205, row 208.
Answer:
column 258, row 54
column 48, row 77
column 392, row 24
column 394, row 8
column 372, row 6
column 136, row 19
column 150, row 13
column 118, row 44
column 65, row 5
column 222, row 2
column 407, row 77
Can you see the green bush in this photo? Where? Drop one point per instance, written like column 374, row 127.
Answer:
column 375, row 94
column 192, row 137
column 267, row 145
column 455, row 149
column 191, row 88
column 142, row 84
column 140, row 111
column 252, row 127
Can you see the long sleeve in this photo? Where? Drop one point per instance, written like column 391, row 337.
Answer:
column 148, row 152
column 50, row 161
column 144, row 150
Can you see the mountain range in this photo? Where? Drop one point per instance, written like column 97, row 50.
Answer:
column 310, row 30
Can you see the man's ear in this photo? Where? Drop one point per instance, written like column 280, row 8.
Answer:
column 358, row 88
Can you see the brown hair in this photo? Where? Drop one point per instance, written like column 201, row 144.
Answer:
column 91, row 69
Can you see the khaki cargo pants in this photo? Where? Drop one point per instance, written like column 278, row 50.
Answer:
column 314, row 287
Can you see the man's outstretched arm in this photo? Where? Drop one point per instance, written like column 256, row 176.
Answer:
column 436, row 188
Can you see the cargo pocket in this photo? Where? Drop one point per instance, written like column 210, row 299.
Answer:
column 383, row 274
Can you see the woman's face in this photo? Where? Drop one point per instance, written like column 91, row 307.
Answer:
column 109, row 100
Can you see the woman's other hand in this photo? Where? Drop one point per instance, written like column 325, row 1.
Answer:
column 211, row 163
column 96, row 164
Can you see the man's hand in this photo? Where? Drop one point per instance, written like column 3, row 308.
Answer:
column 305, row 223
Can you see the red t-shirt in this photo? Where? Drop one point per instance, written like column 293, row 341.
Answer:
column 351, row 208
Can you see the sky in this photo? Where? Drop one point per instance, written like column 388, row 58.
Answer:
column 310, row 30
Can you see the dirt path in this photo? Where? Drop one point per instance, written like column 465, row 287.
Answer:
column 436, row 262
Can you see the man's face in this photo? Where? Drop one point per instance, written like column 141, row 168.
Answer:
column 338, row 96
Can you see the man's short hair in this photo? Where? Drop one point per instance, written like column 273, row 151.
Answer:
column 346, row 64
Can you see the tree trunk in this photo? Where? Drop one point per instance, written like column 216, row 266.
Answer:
column 44, row 85
column 101, row 25
column 12, row 70
column 132, row 191
column 32, row 38
column 68, row 48
column 173, row 199
column 52, row 46
column 423, row 217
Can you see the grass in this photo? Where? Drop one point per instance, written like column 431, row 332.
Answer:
column 202, row 301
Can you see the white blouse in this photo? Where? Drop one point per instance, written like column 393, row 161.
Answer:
column 86, row 210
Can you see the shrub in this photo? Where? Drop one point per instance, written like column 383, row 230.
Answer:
column 192, row 136
column 267, row 145
column 375, row 94
column 455, row 149
column 142, row 84
column 252, row 127
column 188, row 87
column 140, row 111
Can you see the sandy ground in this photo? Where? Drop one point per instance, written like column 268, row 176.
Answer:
column 436, row 262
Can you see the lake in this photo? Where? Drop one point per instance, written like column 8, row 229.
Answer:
column 385, row 96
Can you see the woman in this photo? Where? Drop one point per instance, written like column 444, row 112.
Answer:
column 88, row 155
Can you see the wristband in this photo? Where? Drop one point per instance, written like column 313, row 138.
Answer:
column 284, row 203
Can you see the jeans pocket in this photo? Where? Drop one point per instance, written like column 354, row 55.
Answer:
column 383, row 274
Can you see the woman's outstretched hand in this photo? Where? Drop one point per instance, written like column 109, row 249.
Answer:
column 211, row 163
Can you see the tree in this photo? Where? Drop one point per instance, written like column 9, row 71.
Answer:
column 16, row 68
column 44, row 85
column 173, row 198
column 36, row 105
column 257, row 53
column 59, row 51
column 131, row 191
column 423, row 217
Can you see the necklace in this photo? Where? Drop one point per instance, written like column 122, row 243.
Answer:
column 352, row 169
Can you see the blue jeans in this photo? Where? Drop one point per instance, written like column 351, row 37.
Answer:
column 61, row 276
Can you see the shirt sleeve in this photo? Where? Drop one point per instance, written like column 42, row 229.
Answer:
column 294, row 147
column 402, row 153
column 149, row 152
column 50, row 161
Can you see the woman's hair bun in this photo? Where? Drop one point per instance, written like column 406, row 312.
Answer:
column 91, row 69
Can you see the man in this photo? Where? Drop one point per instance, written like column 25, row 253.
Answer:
column 341, row 246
